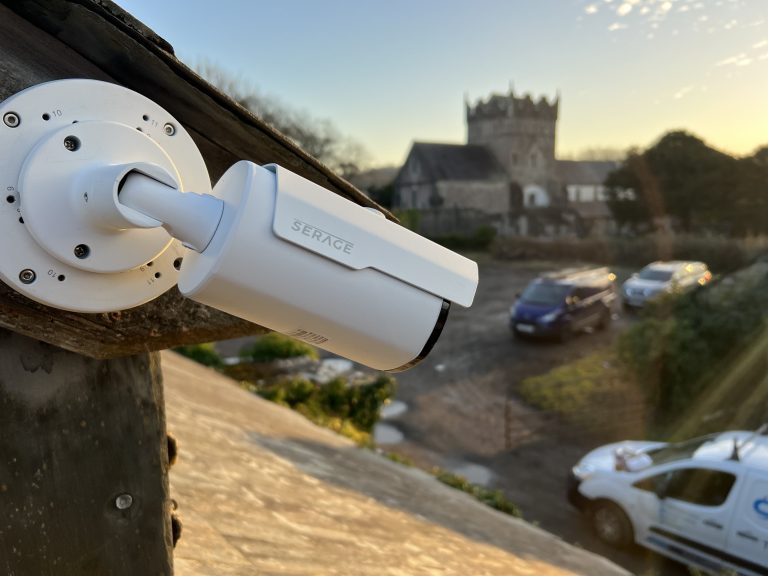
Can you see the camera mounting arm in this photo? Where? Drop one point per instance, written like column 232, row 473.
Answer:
column 187, row 216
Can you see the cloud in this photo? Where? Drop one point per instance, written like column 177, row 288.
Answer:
column 665, row 7
column 624, row 9
column 682, row 92
column 591, row 9
column 738, row 60
column 760, row 44
column 616, row 26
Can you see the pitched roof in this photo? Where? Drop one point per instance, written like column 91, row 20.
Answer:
column 458, row 162
column 590, row 172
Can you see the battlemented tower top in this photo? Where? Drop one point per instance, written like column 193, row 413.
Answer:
column 511, row 106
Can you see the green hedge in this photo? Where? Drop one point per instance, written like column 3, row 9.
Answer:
column 721, row 254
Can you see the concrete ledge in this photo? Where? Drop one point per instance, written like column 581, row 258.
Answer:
column 262, row 490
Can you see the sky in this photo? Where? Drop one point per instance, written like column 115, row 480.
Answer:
column 388, row 72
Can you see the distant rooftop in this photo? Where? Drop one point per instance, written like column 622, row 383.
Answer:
column 458, row 162
column 585, row 172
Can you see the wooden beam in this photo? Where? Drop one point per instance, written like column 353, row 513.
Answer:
column 83, row 463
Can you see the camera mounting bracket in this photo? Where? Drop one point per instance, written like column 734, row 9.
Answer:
column 64, row 147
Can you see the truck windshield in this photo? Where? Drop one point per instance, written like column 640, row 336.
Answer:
column 655, row 275
column 679, row 450
column 545, row 294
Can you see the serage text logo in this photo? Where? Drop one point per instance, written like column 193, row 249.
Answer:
column 335, row 242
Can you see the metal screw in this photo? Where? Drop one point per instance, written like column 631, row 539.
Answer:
column 123, row 502
column 11, row 119
column 72, row 143
column 82, row 251
column 169, row 129
column 27, row 276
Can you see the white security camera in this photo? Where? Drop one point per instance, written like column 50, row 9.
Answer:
column 103, row 188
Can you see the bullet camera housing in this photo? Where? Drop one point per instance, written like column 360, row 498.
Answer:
column 265, row 244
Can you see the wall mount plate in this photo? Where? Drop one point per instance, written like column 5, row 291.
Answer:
column 50, row 250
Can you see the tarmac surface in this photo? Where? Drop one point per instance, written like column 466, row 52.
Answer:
column 464, row 413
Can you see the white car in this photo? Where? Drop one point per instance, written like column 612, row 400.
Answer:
column 703, row 502
column 663, row 278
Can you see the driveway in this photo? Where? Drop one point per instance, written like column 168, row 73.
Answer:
column 464, row 414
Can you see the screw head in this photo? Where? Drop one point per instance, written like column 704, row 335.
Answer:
column 82, row 251
column 123, row 502
column 27, row 276
column 169, row 129
column 11, row 119
column 72, row 143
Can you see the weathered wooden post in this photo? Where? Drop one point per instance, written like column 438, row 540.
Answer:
column 83, row 456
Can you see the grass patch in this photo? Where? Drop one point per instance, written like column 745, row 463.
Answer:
column 592, row 393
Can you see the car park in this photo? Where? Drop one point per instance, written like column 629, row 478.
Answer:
column 703, row 502
column 560, row 304
column 660, row 278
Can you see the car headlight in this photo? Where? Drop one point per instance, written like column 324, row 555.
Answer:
column 583, row 471
column 550, row 317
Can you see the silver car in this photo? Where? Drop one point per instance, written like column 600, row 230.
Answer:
column 663, row 278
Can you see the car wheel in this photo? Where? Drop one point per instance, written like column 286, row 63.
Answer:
column 611, row 525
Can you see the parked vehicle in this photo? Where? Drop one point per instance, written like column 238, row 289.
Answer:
column 562, row 303
column 663, row 278
column 703, row 502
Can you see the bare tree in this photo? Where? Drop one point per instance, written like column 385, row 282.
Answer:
column 318, row 137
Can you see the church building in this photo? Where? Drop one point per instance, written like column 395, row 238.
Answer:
column 506, row 175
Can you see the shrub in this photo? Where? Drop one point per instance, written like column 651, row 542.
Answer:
column 481, row 239
column 350, row 409
column 203, row 353
column 276, row 346
column 684, row 346
column 493, row 498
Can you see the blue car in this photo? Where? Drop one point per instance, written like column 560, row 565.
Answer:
column 560, row 304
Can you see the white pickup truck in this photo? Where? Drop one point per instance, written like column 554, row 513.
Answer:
column 703, row 502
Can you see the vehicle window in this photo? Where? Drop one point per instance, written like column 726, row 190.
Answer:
column 652, row 483
column 585, row 292
column 695, row 485
column 655, row 275
column 545, row 294
column 699, row 486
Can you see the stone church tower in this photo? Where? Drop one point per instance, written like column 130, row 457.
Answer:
column 521, row 134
